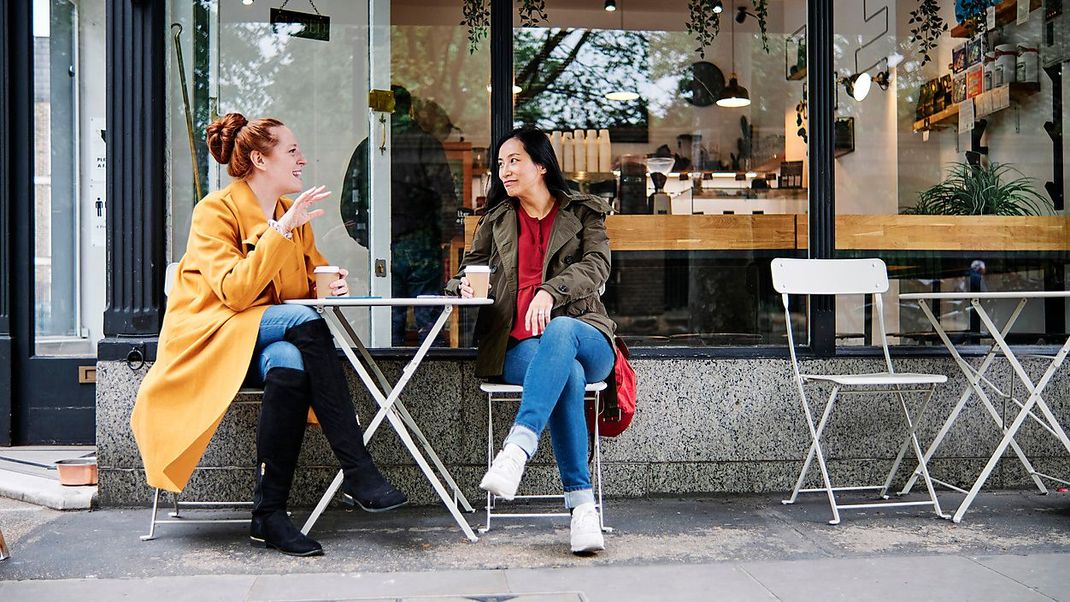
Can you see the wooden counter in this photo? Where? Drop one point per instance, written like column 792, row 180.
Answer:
column 853, row 232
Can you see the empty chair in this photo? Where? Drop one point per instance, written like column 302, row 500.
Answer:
column 852, row 277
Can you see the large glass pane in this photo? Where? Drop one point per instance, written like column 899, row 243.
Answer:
column 951, row 167
column 438, row 157
column 235, row 59
column 706, row 192
column 56, row 319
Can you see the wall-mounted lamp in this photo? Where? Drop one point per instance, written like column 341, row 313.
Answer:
column 857, row 85
column 610, row 5
column 882, row 79
column 742, row 14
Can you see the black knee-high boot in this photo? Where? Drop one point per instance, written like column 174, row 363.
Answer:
column 331, row 401
column 279, row 434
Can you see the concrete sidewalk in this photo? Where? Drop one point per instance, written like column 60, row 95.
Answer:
column 1011, row 546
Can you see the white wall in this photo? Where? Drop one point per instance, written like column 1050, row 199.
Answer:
column 92, row 96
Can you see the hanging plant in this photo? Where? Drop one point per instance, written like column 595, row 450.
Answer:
column 800, row 117
column 926, row 27
column 532, row 12
column 477, row 20
column 704, row 24
column 761, row 11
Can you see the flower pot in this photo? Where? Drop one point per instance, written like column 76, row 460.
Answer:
column 77, row 471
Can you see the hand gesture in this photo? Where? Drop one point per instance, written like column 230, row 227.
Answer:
column 300, row 212
column 538, row 315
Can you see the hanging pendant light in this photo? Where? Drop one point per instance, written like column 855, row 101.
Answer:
column 620, row 95
column 610, row 5
column 734, row 95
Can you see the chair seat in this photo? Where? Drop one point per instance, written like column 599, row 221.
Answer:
column 504, row 388
column 879, row 378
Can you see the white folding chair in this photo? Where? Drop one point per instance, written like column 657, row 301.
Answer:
column 176, row 517
column 852, row 277
column 502, row 392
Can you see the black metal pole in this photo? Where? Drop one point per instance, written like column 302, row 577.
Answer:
column 16, row 182
column 822, row 208
column 136, row 118
column 501, row 70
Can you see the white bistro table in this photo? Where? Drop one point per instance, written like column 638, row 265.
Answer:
column 387, row 396
column 975, row 378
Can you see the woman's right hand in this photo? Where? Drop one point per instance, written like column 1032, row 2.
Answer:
column 300, row 213
column 466, row 288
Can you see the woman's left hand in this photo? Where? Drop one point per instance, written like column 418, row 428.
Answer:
column 340, row 288
column 539, row 313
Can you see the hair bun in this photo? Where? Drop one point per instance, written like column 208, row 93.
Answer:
column 221, row 134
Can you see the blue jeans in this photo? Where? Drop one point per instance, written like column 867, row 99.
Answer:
column 271, row 350
column 554, row 370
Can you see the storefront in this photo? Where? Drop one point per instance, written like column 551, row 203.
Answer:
column 724, row 133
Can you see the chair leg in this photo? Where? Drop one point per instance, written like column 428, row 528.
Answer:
column 815, row 450
column 598, row 464
column 490, row 456
column 4, row 552
column 152, row 523
column 921, row 458
column 906, row 441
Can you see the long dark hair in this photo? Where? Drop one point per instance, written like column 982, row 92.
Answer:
column 538, row 147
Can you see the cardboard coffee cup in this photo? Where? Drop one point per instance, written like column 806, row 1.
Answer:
column 325, row 275
column 479, row 279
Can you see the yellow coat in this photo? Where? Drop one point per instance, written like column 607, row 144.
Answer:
column 235, row 267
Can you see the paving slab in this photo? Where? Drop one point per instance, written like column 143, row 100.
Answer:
column 1045, row 573
column 360, row 585
column 888, row 578
column 172, row 589
column 646, row 583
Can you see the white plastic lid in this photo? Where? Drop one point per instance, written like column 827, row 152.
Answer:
column 326, row 269
column 477, row 269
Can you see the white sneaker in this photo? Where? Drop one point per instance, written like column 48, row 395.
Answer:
column 503, row 478
column 586, row 530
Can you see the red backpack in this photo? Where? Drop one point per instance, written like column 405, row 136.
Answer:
column 618, row 400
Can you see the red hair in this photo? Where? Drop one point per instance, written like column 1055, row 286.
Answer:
column 232, row 137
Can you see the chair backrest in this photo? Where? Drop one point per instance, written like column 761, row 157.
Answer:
column 169, row 278
column 829, row 276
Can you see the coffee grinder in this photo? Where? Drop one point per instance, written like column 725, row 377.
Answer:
column 659, row 167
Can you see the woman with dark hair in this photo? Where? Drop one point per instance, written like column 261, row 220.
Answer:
column 547, row 329
column 250, row 248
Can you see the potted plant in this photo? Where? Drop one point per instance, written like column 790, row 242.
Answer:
column 982, row 190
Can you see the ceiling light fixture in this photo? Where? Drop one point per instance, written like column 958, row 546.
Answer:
column 611, row 5
column 734, row 95
column 247, row 2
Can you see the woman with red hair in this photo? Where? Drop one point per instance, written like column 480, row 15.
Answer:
column 249, row 250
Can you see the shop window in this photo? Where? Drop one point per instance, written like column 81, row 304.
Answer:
column 956, row 177
column 698, row 143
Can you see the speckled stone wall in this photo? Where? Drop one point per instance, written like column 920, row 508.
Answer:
column 702, row 426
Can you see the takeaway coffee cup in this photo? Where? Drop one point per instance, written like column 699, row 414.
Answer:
column 325, row 275
column 479, row 279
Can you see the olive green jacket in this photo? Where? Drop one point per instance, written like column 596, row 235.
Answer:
column 575, row 270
